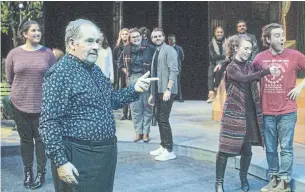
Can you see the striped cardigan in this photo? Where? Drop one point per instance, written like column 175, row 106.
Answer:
column 233, row 122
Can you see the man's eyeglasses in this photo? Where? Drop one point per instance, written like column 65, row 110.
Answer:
column 157, row 36
column 134, row 37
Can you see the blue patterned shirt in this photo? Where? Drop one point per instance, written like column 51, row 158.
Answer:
column 77, row 101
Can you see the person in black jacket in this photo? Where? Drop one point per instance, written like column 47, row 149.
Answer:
column 172, row 42
column 120, row 78
column 145, row 35
column 218, row 61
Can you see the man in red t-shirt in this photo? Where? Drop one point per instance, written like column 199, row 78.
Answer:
column 279, row 92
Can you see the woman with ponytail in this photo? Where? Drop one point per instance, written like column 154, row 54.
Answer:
column 241, row 121
column 25, row 69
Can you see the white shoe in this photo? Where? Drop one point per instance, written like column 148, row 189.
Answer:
column 166, row 156
column 157, row 151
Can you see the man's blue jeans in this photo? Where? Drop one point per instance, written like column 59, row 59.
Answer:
column 280, row 129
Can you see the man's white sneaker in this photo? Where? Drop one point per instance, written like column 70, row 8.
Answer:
column 157, row 151
column 166, row 156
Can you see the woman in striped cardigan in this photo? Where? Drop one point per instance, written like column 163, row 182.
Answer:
column 242, row 115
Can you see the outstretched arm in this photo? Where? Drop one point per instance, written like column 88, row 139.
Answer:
column 233, row 72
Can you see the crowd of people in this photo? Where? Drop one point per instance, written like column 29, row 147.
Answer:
column 63, row 102
column 262, row 115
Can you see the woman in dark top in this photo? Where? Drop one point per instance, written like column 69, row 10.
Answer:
column 119, row 76
column 145, row 35
column 241, row 122
column 218, row 61
column 25, row 69
column 122, row 41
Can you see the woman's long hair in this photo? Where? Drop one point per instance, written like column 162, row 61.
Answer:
column 119, row 41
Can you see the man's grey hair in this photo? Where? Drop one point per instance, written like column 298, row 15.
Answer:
column 73, row 30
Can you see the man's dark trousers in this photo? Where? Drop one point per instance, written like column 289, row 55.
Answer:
column 124, row 85
column 215, row 75
column 95, row 162
column 179, row 95
column 163, row 109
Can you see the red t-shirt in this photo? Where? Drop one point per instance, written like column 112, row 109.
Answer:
column 274, row 88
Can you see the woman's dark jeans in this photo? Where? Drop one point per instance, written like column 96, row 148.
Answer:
column 27, row 127
column 214, row 75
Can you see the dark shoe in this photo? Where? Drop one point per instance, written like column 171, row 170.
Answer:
column 221, row 163
column 138, row 138
column 244, row 167
column 40, row 179
column 146, row 138
column 28, row 178
column 14, row 128
column 123, row 118
column 244, row 184
column 282, row 186
column 271, row 185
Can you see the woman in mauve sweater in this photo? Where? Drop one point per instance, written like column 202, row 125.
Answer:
column 241, row 121
column 25, row 67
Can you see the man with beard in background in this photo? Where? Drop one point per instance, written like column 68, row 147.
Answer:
column 241, row 27
column 165, row 67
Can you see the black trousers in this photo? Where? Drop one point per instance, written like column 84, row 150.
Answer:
column 214, row 75
column 123, row 84
column 95, row 162
column 125, row 110
column 179, row 95
column 163, row 109
column 27, row 127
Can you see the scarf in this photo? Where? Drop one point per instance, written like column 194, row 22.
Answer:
column 129, row 49
column 216, row 47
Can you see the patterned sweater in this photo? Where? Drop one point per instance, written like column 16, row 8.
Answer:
column 77, row 101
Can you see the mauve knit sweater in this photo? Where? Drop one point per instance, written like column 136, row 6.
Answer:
column 25, row 71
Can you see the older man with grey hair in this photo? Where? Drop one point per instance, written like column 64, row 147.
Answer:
column 77, row 123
